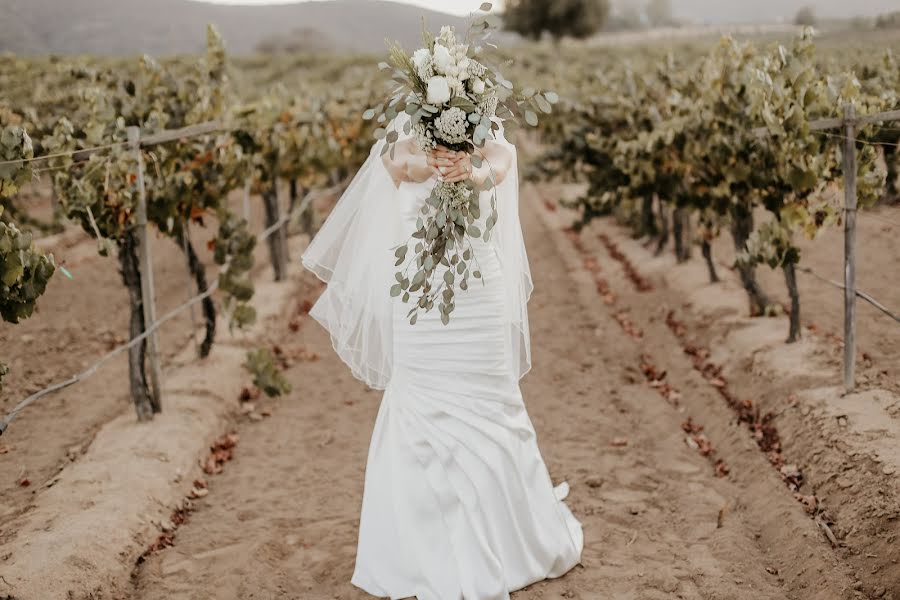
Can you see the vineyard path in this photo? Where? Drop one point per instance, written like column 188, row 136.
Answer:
column 281, row 521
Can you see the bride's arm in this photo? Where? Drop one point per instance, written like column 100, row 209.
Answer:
column 497, row 160
column 408, row 163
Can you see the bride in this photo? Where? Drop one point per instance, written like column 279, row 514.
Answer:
column 458, row 503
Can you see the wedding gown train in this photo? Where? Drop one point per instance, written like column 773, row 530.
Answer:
column 458, row 504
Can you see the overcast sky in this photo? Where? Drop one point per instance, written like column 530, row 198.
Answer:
column 458, row 7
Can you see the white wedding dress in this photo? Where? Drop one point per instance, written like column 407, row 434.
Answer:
column 458, row 503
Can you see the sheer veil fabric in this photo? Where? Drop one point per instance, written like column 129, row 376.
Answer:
column 353, row 253
column 458, row 503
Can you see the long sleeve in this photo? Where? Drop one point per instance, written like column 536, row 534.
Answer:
column 498, row 160
column 407, row 163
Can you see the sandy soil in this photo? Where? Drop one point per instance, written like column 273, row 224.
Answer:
column 660, row 520
column 822, row 305
column 76, row 322
column 838, row 451
column 676, row 498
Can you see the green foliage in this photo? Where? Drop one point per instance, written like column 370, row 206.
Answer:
column 24, row 273
column 771, row 245
column 15, row 145
column 266, row 374
column 233, row 249
column 724, row 134
column 184, row 180
column 559, row 18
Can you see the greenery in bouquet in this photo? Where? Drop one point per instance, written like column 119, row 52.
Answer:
column 454, row 99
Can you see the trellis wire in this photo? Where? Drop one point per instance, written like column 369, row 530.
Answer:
column 867, row 297
column 849, row 123
column 163, row 137
column 87, row 373
column 858, row 140
column 809, row 271
column 880, row 218
column 67, row 153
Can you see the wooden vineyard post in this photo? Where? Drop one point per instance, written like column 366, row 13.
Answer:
column 246, row 201
column 850, row 169
column 146, row 266
column 277, row 241
column 283, row 235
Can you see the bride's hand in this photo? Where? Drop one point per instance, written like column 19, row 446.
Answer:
column 439, row 160
column 453, row 166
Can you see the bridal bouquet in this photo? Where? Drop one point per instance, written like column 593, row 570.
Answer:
column 455, row 100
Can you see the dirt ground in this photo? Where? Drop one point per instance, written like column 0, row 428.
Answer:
column 660, row 519
column 76, row 322
column 676, row 498
column 822, row 304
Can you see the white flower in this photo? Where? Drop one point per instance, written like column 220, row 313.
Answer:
column 422, row 61
column 457, row 87
column 442, row 59
column 447, row 37
column 477, row 85
column 461, row 54
column 488, row 106
column 455, row 194
column 476, row 69
column 452, row 125
column 438, row 90
column 423, row 136
column 463, row 66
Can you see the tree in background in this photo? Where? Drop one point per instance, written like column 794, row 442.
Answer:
column 888, row 21
column 659, row 13
column 559, row 18
column 806, row 17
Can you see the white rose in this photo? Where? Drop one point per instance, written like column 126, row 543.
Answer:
column 478, row 85
column 438, row 90
column 421, row 59
column 442, row 59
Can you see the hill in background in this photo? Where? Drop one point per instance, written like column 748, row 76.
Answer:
column 165, row 27
column 772, row 11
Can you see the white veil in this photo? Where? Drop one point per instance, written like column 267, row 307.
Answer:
column 353, row 253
